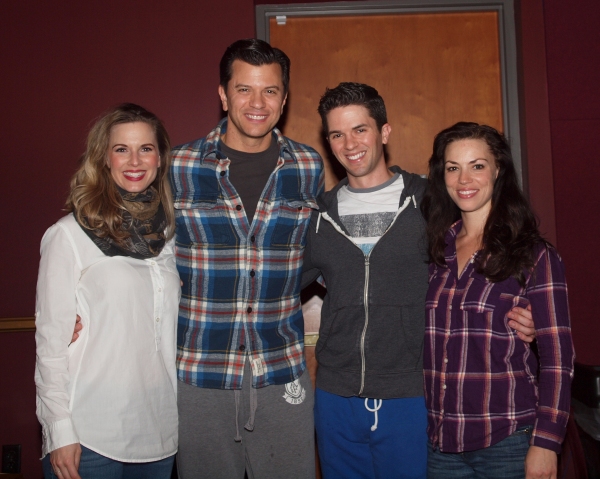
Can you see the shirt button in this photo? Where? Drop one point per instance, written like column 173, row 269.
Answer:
column 223, row 173
column 299, row 208
column 242, row 347
column 153, row 263
column 159, row 290
column 249, row 310
column 444, row 386
column 446, row 360
column 238, row 207
column 157, row 320
column 450, row 307
column 252, row 274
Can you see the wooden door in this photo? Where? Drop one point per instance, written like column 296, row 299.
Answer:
column 432, row 70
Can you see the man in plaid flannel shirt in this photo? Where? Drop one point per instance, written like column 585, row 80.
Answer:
column 243, row 200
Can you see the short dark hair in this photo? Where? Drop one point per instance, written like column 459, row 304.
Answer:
column 350, row 93
column 255, row 52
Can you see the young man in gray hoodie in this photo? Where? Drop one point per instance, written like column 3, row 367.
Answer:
column 367, row 243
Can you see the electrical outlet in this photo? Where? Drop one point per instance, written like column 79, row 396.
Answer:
column 11, row 458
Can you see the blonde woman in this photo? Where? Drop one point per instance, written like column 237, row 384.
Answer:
column 107, row 402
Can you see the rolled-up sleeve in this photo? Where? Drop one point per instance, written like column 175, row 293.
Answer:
column 56, row 309
column 547, row 291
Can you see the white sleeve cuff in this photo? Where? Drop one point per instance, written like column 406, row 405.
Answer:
column 58, row 434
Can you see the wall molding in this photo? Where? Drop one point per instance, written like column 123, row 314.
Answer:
column 11, row 325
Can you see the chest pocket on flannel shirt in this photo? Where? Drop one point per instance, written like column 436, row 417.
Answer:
column 294, row 200
column 481, row 296
column 293, row 216
column 201, row 220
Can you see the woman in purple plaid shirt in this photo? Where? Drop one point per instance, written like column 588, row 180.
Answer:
column 497, row 408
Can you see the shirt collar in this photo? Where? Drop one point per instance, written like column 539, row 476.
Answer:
column 214, row 137
column 450, row 252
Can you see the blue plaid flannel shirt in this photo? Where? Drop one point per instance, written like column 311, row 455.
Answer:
column 241, row 281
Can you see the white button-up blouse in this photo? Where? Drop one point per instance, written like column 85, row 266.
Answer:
column 114, row 389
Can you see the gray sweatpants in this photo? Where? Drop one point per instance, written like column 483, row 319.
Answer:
column 281, row 444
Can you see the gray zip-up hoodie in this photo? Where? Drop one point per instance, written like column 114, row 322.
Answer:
column 373, row 316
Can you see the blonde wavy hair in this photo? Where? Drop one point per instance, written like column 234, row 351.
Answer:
column 94, row 198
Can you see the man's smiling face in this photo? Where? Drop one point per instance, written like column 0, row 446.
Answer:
column 254, row 101
column 357, row 143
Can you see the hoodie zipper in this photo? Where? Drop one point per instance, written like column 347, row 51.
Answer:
column 330, row 220
column 364, row 332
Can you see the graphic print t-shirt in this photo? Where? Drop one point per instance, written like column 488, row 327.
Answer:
column 367, row 213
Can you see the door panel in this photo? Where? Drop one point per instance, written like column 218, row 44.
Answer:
column 432, row 70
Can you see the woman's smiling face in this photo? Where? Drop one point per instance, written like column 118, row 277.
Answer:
column 470, row 172
column 133, row 156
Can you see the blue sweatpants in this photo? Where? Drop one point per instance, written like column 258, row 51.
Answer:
column 350, row 448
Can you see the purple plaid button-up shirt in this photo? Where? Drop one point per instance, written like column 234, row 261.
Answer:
column 481, row 381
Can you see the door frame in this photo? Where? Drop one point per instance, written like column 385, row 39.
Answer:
column 506, row 34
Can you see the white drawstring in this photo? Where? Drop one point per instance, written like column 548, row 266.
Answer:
column 318, row 223
column 253, row 404
column 376, row 407
column 414, row 200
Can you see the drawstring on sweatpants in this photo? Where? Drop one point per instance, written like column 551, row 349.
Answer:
column 237, row 437
column 376, row 407
column 253, row 405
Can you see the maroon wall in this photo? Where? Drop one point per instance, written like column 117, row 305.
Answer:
column 18, row 424
column 63, row 63
column 534, row 113
column 573, row 58
column 62, row 66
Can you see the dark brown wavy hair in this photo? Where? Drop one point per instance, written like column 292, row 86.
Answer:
column 94, row 198
column 511, row 230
